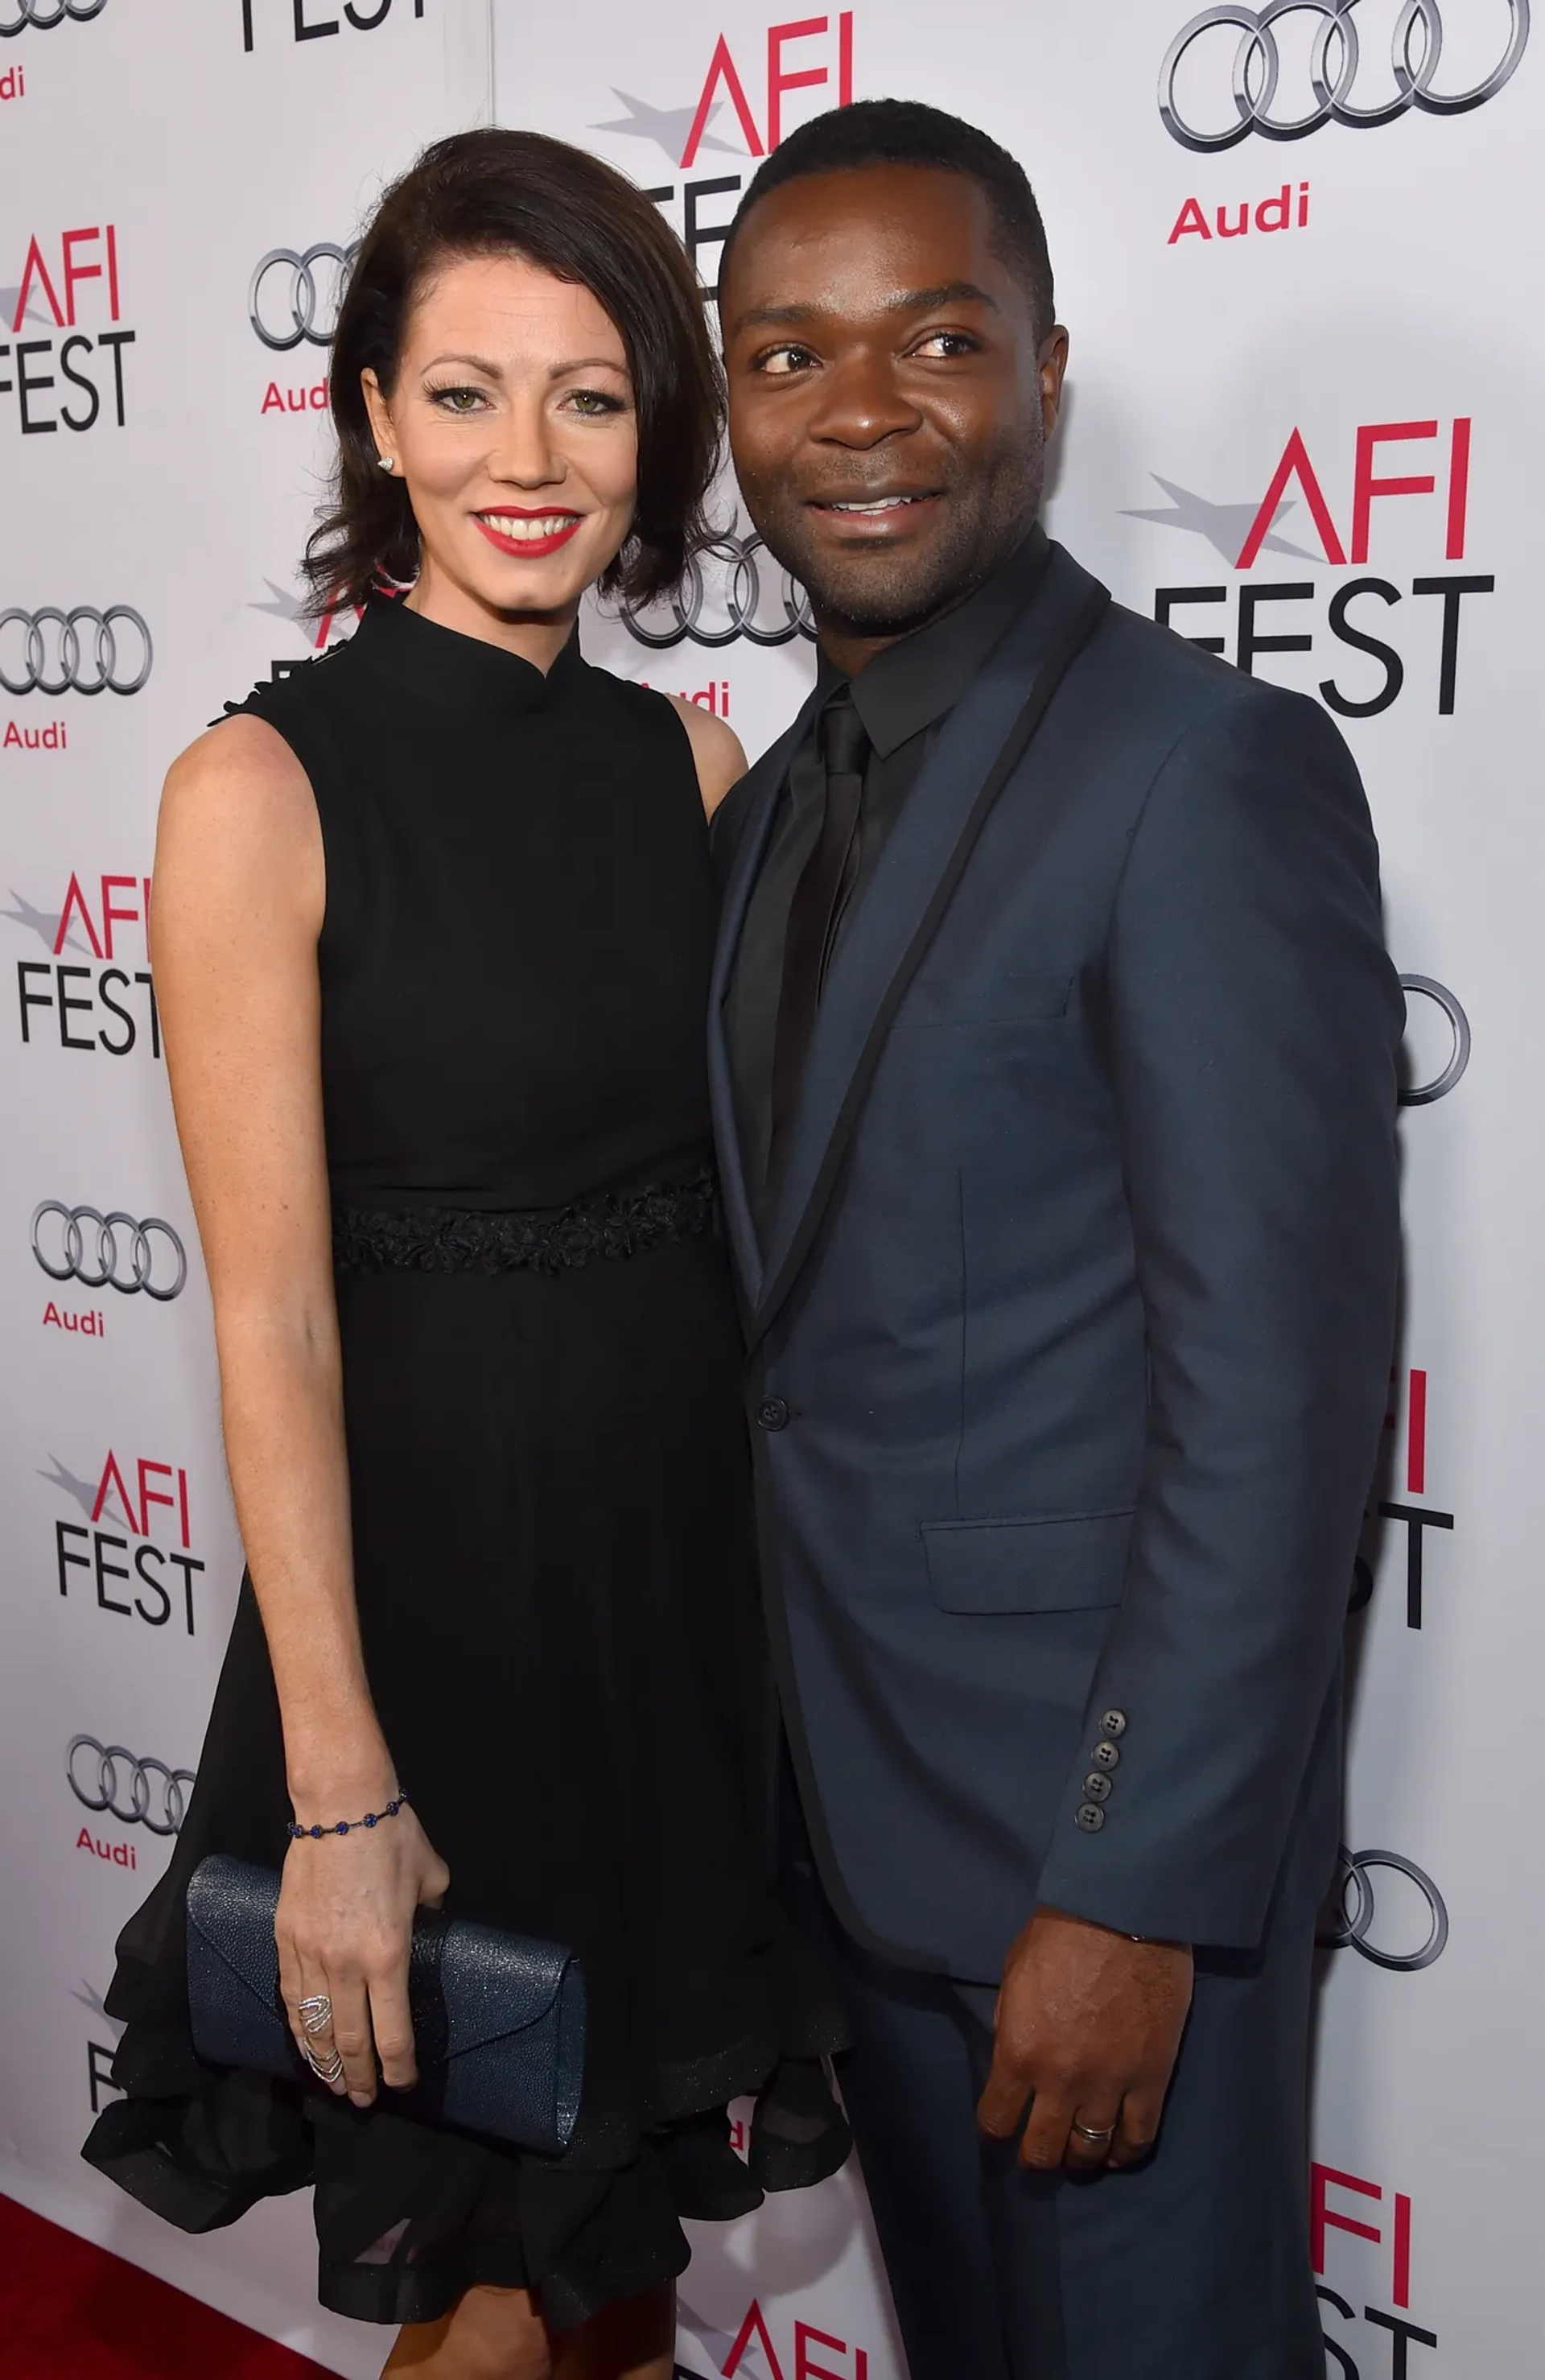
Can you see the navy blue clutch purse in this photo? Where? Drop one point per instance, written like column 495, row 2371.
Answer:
column 498, row 2018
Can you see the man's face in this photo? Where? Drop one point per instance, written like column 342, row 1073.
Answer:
column 889, row 405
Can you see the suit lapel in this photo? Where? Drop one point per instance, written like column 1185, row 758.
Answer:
column 889, row 927
column 765, row 783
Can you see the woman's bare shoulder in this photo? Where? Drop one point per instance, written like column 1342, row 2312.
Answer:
column 238, row 784
column 238, row 821
column 716, row 748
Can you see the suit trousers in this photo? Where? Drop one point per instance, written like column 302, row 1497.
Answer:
column 1192, row 2267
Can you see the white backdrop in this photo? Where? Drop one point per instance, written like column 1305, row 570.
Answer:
column 1307, row 375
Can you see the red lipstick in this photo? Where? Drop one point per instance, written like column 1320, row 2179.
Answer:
column 530, row 548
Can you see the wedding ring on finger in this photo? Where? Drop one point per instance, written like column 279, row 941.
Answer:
column 1095, row 2140
column 315, row 2014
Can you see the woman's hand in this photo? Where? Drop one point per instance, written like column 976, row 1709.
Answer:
column 343, row 1925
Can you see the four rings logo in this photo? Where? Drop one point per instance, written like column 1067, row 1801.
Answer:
column 115, row 1783
column 115, row 1252
column 1421, row 1093
column 296, row 295
column 43, row 15
column 79, row 652
column 725, row 594
column 1251, row 93
column 1352, row 1917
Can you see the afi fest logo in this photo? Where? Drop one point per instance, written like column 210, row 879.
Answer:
column 1385, row 463
column 100, row 2085
column 1406, row 1419
column 101, row 999
column 1436, row 1054
column 746, row 93
column 1349, row 2206
column 1288, row 69
column 764, row 2349
column 313, row 20
column 132, row 1552
column 318, row 630
column 71, row 374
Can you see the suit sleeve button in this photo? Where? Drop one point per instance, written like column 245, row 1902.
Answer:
column 1113, row 1722
column 773, row 1414
column 1097, row 1786
column 1090, row 1816
column 1107, row 1755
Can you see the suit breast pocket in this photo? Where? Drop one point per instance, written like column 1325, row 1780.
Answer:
column 1072, row 1562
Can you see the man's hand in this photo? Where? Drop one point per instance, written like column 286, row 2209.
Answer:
column 1087, row 2029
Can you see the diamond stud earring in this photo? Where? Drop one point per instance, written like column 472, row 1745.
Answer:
column 386, row 462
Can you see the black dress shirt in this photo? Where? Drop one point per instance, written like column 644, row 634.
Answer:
column 903, row 698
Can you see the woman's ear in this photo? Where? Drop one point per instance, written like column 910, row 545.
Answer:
column 380, row 419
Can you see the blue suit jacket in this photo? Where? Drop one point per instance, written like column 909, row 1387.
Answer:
column 1070, row 1341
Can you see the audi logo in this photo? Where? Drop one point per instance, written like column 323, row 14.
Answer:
column 114, row 1782
column 47, row 652
column 736, row 605
column 1351, row 1916
column 1336, row 60
column 43, row 15
column 288, row 300
column 1421, row 1095
column 116, row 1253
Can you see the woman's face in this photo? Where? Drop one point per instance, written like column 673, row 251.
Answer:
column 512, row 423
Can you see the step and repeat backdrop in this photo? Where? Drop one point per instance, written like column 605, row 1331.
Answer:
column 1296, row 247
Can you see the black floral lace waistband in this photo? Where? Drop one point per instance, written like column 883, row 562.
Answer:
column 552, row 1239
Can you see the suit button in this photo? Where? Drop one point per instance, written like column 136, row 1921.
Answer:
column 1090, row 1816
column 773, row 1414
column 1106, row 1755
column 1097, row 1786
column 1113, row 1722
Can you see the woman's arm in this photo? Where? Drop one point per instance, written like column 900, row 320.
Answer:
column 239, row 892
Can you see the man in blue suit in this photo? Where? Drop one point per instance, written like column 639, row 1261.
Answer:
column 1054, row 1050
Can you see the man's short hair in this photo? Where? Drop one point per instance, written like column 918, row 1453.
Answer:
column 907, row 132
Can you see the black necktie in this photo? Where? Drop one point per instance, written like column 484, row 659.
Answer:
column 813, row 913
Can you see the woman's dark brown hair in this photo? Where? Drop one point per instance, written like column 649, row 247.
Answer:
column 494, row 193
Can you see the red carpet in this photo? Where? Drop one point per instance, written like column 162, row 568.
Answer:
column 71, row 2312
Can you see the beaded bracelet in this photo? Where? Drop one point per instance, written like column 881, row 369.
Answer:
column 346, row 1826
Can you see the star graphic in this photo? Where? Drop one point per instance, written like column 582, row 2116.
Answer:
column 83, row 1492
column 718, row 2345
column 8, row 298
column 1226, row 527
column 292, row 609
column 668, row 127
column 285, row 606
column 39, row 922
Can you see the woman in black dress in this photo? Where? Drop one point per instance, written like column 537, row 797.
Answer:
column 434, row 925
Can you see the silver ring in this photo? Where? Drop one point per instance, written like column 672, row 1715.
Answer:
column 332, row 2070
column 315, row 2014
column 1096, row 2140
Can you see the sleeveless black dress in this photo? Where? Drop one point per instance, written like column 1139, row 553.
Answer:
column 549, row 1491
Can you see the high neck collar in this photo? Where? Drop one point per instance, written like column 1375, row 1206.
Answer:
column 446, row 666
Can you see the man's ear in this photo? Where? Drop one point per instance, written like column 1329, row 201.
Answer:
column 1052, row 364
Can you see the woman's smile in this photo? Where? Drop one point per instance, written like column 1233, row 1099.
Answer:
column 527, row 534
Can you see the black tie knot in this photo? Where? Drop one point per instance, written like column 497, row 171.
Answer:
column 844, row 742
